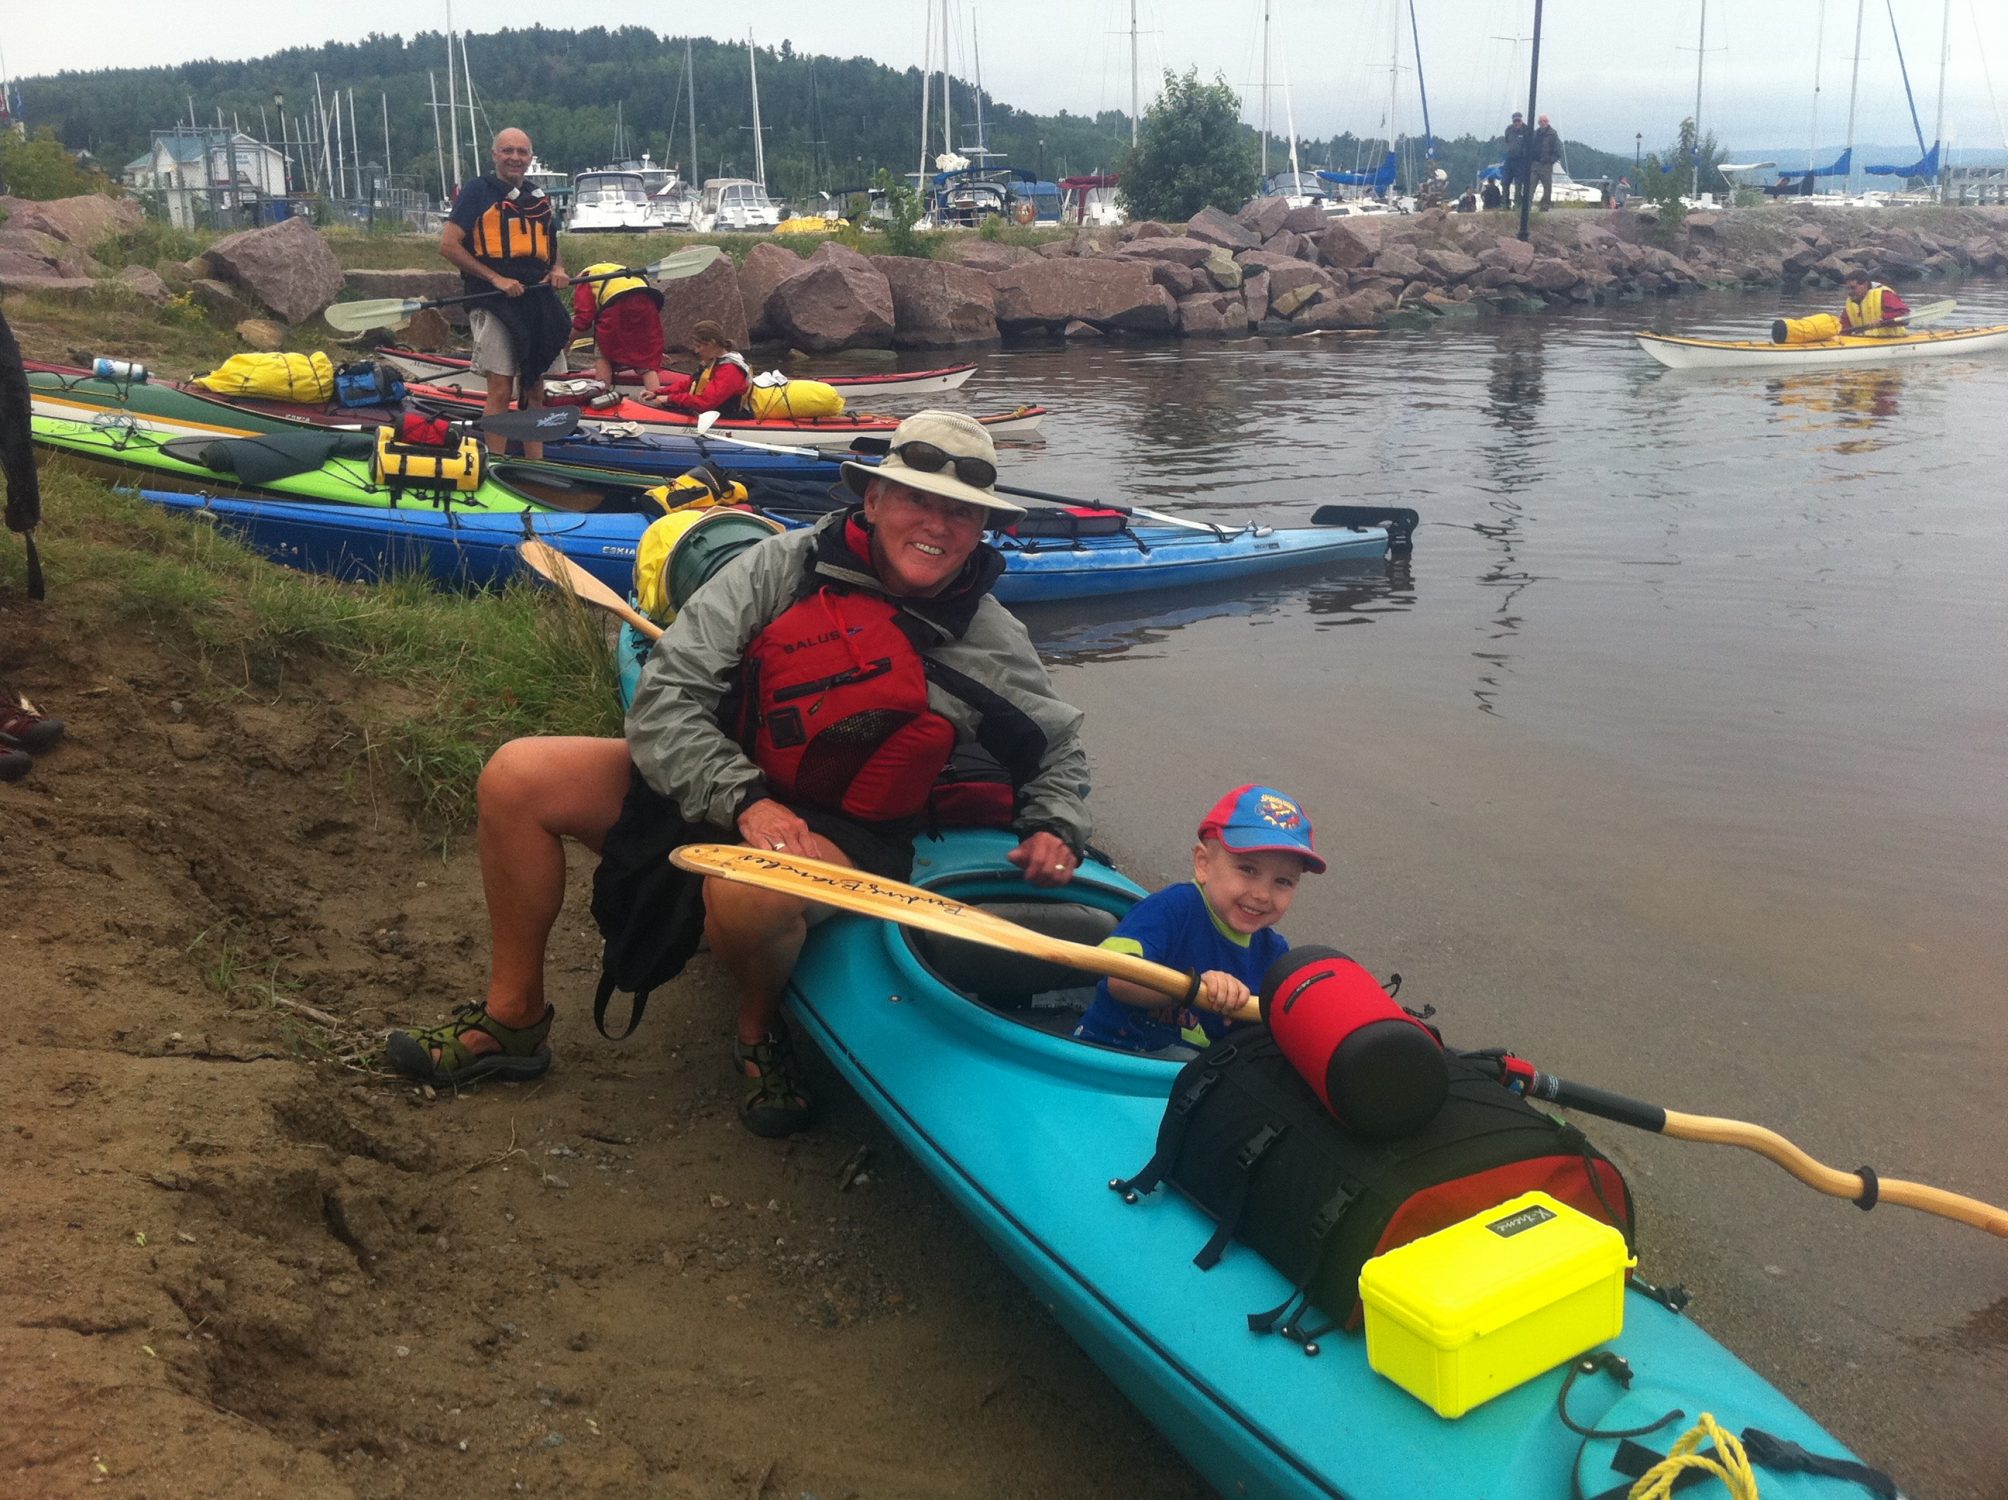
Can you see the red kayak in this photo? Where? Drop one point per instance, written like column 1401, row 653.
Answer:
column 816, row 432
column 454, row 370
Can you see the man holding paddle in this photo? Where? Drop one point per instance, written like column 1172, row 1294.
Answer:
column 502, row 236
column 831, row 693
column 1871, row 306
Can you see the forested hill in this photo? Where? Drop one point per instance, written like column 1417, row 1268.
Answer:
column 829, row 122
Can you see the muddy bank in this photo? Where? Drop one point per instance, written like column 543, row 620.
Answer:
column 244, row 1264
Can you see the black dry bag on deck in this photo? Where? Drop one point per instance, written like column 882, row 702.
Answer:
column 1247, row 1140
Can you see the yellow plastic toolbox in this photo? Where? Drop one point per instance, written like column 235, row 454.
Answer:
column 1458, row 1316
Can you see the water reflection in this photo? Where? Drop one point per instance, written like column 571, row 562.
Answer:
column 1080, row 631
column 1850, row 401
column 1515, row 394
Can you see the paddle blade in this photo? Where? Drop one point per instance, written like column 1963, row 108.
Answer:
column 548, row 563
column 868, row 895
column 1932, row 312
column 534, row 424
column 379, row 312
column 685, row 262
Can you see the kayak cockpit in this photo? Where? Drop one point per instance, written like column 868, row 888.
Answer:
column 1031, row 990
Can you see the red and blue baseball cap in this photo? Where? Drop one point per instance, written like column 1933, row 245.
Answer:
column 1259, row 819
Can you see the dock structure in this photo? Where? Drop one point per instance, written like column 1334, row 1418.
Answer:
column 1976, row 185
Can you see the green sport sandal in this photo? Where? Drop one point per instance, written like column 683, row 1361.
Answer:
column 524, row 1053
column 776, row 1105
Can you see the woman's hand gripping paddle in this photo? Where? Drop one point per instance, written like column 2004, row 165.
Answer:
column 1863, row 1188
column 910, row 906
column 391, row 312
column 553, row 566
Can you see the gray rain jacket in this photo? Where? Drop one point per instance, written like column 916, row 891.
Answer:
column 988, row 682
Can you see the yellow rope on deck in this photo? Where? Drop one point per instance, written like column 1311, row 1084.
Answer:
column 1728, row 1463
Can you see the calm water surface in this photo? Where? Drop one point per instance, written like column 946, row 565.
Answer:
column 1676, row 757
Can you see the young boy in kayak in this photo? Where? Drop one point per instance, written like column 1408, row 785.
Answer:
column 1254, row 849
column 624, row 314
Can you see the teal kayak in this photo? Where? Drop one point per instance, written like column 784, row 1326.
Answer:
column 1023, row 1128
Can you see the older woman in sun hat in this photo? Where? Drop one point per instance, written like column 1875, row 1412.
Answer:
column 830, row 692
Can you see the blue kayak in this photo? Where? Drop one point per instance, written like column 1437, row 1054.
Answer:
column 466, row 545
column 1023, row 1128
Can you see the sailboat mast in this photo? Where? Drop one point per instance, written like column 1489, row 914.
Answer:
column 947, row 123
column 438, row 141
column 1700, row 61
column 1265, row 91
column 759, row 151
column 926, row 94
column 1938, row 123
column 976, row 53
column 452, row 98
column 1854, row 83
column 1133, row 89
column 1819, row 40
column 690, row 89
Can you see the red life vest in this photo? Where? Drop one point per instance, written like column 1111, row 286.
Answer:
column 835, row 709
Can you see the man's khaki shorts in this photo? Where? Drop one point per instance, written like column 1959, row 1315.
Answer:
column 493, row 353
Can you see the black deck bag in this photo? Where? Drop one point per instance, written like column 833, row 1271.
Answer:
column 1245, row 1138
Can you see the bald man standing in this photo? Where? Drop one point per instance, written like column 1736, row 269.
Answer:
column 502, row 236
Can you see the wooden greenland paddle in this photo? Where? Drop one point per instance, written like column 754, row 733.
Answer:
column 1864, row 1188
column 554, row 567
column 389, row 312
column 910, row 906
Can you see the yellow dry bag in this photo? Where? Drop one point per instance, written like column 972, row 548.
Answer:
column 681, row 550
column 1814, row 330
column 305, row 378
column 795, row 398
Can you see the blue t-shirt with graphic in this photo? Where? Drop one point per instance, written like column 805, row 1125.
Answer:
column 1176, row 928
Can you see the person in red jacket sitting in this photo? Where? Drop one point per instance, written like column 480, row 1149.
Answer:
column 721, row 381
column 624, row 314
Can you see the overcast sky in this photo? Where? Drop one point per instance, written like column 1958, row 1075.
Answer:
column 1609, row 68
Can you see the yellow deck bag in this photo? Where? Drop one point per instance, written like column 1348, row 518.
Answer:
column 1814, row 330
column 680, row 551
column 306, row 378
column 409, row 466
column 795, row 398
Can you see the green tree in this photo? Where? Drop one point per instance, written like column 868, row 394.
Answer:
column 1669, row 176
column 1191, row 151
column 37, row 166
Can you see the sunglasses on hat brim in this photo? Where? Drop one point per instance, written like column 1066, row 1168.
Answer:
column 929, row 459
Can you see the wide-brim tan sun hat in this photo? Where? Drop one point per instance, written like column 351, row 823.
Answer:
column 956, row 435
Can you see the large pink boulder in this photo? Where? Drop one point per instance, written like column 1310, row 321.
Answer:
column 1264, row 216
column 1110, row 293
column 1396, row 261
column 1449, row 266
column 82, row 221
column 1213, row 315
column 1216, row 228
column 839, row 300
column 990, row 255
column 286, row 266
column 1182, row 249
column 712, row 293
column 937, row 305
column 1360, row 310
column 1350, row 242
column 767, row 266
column 1548, row 274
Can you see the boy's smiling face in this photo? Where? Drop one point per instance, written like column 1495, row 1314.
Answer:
column 1246, row 891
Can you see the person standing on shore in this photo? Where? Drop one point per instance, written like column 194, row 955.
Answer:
column 502, row 236
column 1515, row 166
column 1547, row 151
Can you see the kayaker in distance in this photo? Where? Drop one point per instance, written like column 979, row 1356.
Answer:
column 721, row 381
column 1253, row 849
column 624, row 316
column 880, row 688
column 502, row 236
column 1871, row 306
